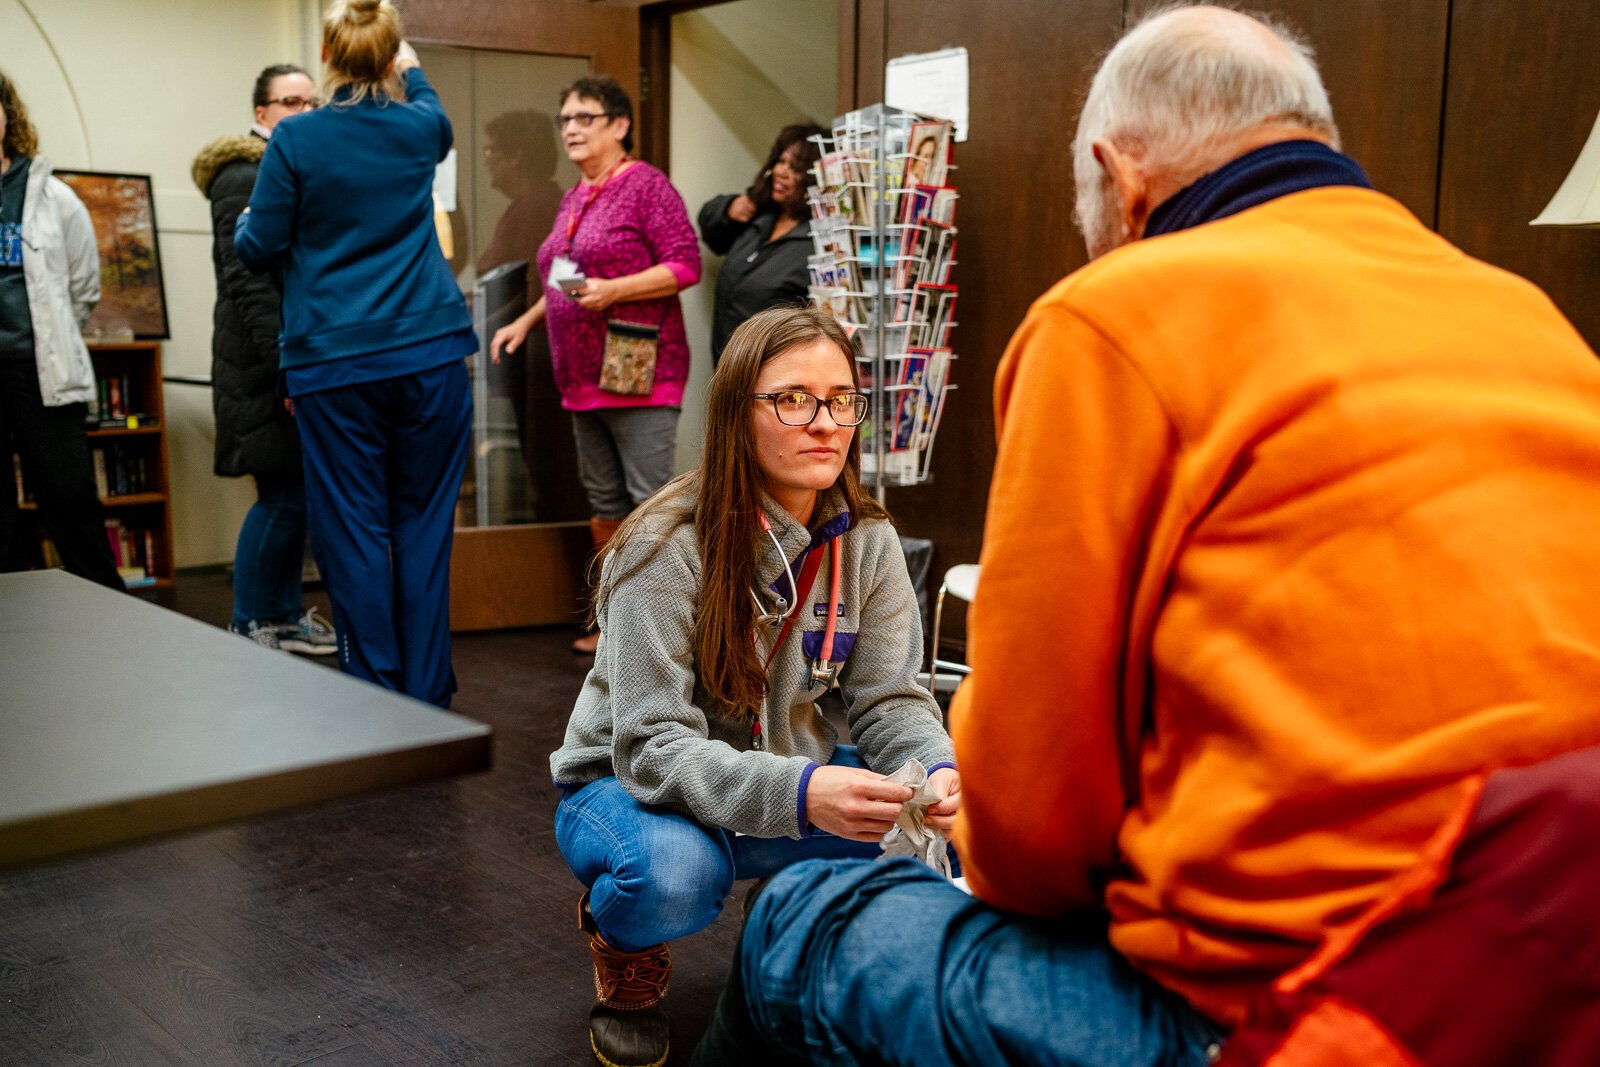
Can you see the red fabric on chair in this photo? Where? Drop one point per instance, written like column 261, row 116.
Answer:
column 1486, row 953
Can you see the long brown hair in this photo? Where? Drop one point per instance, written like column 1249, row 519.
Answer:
column 21, row 138
column 361, row 39
column 727, row 490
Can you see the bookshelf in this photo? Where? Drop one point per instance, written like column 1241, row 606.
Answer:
column 127, row 434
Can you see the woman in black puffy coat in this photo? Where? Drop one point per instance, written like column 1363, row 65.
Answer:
column 255, row 433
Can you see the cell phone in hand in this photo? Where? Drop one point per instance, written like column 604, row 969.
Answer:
column 573, row 286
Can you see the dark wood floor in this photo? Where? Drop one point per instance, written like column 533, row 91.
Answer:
column 431, row 925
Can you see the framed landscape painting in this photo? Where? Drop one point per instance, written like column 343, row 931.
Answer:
column 132, row 296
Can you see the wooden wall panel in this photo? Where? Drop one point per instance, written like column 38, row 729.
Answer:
column 608, row 35
column 1383, row 64
column 1029, row 67
column 1522, row 96
column 505, row 576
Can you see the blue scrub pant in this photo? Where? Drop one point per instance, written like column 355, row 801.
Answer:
column 384, row 462
column 844, row 963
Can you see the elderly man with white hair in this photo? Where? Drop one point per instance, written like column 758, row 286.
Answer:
column 1311, row 495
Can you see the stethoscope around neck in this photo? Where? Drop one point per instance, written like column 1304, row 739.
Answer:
column 823, row 670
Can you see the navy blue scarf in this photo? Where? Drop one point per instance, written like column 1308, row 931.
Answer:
column 1254, row 178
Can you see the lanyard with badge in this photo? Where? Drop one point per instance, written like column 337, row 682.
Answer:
column 564, row 272
column 823, row 670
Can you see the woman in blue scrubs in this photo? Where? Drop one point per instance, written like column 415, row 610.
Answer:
column 375, row 333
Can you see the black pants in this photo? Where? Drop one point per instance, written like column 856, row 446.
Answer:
column 57, row 468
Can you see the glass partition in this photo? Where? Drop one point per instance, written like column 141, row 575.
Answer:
column 509, row 175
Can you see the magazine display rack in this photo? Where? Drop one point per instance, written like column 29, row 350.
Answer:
column 883, row 227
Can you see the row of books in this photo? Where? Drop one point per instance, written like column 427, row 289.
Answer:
column 134, row 549
column 118, row 403
column 118, row 471
column 884, row 247
column 122, row 470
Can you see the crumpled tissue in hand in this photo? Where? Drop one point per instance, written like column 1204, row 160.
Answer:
column 909, row 836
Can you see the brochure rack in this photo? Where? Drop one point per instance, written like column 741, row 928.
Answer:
column 883, row 226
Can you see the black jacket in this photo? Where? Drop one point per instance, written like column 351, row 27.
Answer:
column 255, row 435
column 756, row 275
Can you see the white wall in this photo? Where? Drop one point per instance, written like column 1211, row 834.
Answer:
column 740, row 72
column 139, row 86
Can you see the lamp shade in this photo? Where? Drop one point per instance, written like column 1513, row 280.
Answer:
column 1577, row 202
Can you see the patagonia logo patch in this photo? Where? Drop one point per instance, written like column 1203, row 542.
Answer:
column 820, row 611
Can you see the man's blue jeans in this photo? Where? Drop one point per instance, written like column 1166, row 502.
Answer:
column 845, row 963
column 271, row 552
column 656, row 875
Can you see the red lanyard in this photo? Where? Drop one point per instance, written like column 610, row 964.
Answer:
column 808, row 575
column 802, row 593
column 576, row 217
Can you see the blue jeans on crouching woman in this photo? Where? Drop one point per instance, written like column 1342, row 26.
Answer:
column 844, row 963
column 655, row 874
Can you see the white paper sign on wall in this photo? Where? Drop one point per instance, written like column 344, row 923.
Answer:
column 933, row 83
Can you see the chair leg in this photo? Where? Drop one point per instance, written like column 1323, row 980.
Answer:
column 933, row 658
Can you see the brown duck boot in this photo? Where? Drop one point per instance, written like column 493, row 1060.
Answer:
column 627, row 1025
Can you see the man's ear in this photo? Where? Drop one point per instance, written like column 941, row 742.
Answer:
column 1131, row 185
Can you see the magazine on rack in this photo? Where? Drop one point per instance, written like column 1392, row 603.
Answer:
column 928, row 154
column 922, row 202
column 940, row 252
column 908, row 266
column 922, row 376
column 934, row 314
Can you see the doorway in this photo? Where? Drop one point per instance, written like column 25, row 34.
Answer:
column 719, row 80
column 739, row 71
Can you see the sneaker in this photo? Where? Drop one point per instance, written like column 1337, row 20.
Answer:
column 262, row 633
column 309, row 635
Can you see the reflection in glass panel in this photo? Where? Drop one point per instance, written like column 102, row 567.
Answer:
column 510, row 174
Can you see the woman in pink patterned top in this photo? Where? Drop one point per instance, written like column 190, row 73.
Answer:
column 625, row 232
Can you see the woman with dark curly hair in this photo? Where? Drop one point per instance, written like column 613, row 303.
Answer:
column 764, row 233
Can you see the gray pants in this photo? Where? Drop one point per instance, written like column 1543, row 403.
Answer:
column 624, row 455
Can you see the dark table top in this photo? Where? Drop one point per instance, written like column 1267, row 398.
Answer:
column 121, row 720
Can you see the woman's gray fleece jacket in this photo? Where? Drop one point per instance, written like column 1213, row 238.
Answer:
column 642, row 715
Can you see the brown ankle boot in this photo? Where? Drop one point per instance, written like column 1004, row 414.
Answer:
column 627, row 1025
column 601, row 530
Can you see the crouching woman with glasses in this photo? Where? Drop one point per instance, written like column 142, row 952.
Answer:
column 729, row 602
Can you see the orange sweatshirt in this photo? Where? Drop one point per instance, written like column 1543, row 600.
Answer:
column 1295, row 522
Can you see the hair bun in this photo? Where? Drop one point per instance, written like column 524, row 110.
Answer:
column 362, row 12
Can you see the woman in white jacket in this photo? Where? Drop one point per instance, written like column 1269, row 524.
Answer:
column 49, row 282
